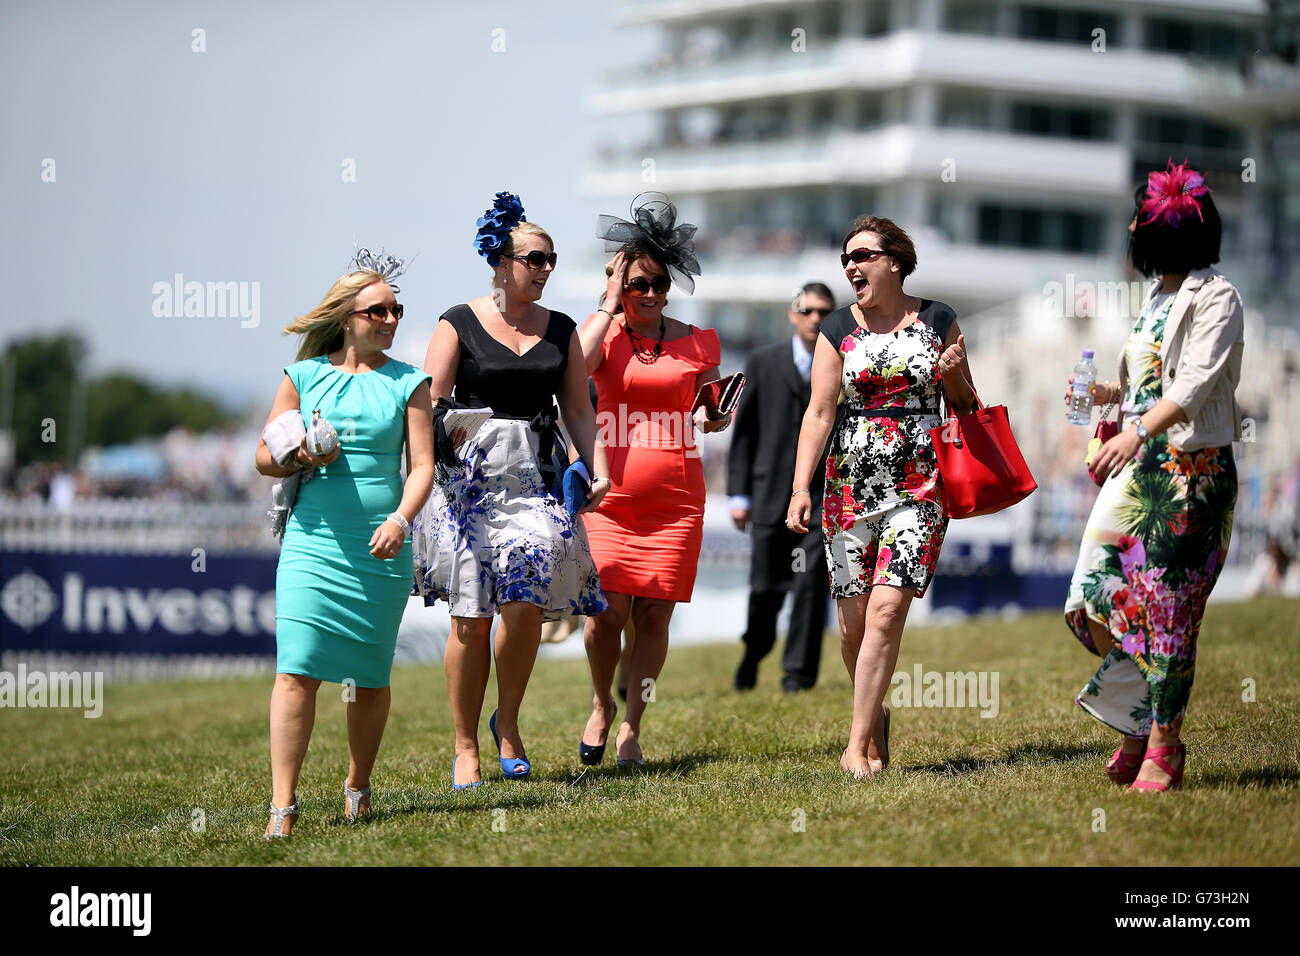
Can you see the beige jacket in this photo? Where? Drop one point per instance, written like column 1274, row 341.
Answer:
column 1201, row 360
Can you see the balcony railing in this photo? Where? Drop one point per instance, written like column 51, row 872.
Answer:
column 907, row 57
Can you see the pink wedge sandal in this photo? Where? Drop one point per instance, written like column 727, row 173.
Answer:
column 1156, row 755
column 1123, row 768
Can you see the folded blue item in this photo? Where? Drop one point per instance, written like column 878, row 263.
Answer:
column 577, row 486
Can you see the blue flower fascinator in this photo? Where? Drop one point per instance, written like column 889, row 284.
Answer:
column 494, row 226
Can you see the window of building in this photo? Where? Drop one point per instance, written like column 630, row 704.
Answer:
column 1176, row 130
column 980, row 19
column 964, row 109
column 1217, row 40
column 822, row 117
column 1029, row 227
column 1063, row 26
column 828, row 17
column 870, row 111
column 945, row 215
column 877, row 20
column 1070, row 122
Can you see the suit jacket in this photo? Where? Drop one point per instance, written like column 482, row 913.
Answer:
column 765, row 435
column 1200, row 360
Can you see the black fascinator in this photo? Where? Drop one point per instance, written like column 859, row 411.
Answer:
column 654, row 223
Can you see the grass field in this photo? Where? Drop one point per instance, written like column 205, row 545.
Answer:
column 726, row 776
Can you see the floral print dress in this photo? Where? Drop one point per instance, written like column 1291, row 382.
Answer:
column 882, row 520
column 494, row 533
column 1153, row 547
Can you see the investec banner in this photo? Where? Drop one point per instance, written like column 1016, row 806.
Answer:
column 141, row 604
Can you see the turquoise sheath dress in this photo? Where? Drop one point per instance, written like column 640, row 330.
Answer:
column 337, row 607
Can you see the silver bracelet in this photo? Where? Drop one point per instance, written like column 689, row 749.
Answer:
column 399, row 519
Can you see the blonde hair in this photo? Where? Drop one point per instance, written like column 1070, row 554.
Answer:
column 321, row 329
column 513, row 236
column 521, row 230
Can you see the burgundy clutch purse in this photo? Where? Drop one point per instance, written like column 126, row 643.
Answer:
column 719, row 398
column 1107, row 429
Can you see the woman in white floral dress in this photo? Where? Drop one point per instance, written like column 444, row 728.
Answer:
column 891, row 356
column 493, row 538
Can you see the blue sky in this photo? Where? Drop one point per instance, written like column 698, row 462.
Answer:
column 227, row 165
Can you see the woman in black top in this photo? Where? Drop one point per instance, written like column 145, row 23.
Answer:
column 493, row 539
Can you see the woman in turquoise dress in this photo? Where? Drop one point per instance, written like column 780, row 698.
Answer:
column 345, row 565
column 1158, row 534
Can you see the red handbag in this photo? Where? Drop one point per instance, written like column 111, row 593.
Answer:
column 981, row 469
column 1106, row 430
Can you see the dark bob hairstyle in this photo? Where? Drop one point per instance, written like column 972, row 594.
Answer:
column 1159, row 248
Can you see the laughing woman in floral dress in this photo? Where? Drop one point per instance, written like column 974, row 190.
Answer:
column 1159, row 530
column 891, row 355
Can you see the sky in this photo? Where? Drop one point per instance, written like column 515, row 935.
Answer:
column 258, row 143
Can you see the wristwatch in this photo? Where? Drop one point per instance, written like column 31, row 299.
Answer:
column 1142, row 430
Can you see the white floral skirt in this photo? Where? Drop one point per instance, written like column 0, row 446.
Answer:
column 494, row 534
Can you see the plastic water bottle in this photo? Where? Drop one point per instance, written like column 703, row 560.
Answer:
column 1085, row 373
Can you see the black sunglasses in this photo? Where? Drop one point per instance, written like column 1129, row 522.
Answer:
column 640, row 285
column 380, row 312
column 822, row 312
column 861, row 255
column 536, row 259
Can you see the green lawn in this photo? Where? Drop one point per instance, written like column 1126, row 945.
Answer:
column 726, row 774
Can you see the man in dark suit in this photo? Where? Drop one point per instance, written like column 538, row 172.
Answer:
column 760, row 471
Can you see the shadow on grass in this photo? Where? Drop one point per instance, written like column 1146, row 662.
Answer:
column 1030, row 752
column 539, row 789
column 1270, row 776
column 673, row 767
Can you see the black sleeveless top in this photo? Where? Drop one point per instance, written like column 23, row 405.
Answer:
column 491, row 374
column 937, row 315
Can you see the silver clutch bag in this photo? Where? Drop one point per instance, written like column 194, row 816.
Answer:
column 284, row 493
column 282, row 435
column 321, row 436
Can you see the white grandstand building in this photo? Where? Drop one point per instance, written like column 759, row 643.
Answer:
column 1007, row 136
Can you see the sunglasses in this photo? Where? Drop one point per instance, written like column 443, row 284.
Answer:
column 380, row 312
column 640, row 285
column 536, row 259
column 822, row 312
column 861, row 255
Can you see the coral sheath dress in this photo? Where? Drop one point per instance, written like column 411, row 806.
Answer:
column 646, row 534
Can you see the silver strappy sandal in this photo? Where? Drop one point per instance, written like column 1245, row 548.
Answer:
column 277, row 815
column 353, row 813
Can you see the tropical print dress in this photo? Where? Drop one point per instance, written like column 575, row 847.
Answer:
column 882, row 520
column 1154, row 545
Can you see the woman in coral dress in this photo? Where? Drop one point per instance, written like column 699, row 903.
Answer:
column 645, row 536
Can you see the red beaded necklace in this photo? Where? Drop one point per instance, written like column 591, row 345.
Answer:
column 646, row 356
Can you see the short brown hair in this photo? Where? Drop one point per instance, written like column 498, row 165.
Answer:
column 897, row 243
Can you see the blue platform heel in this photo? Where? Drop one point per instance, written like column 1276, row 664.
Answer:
column 515, row 768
